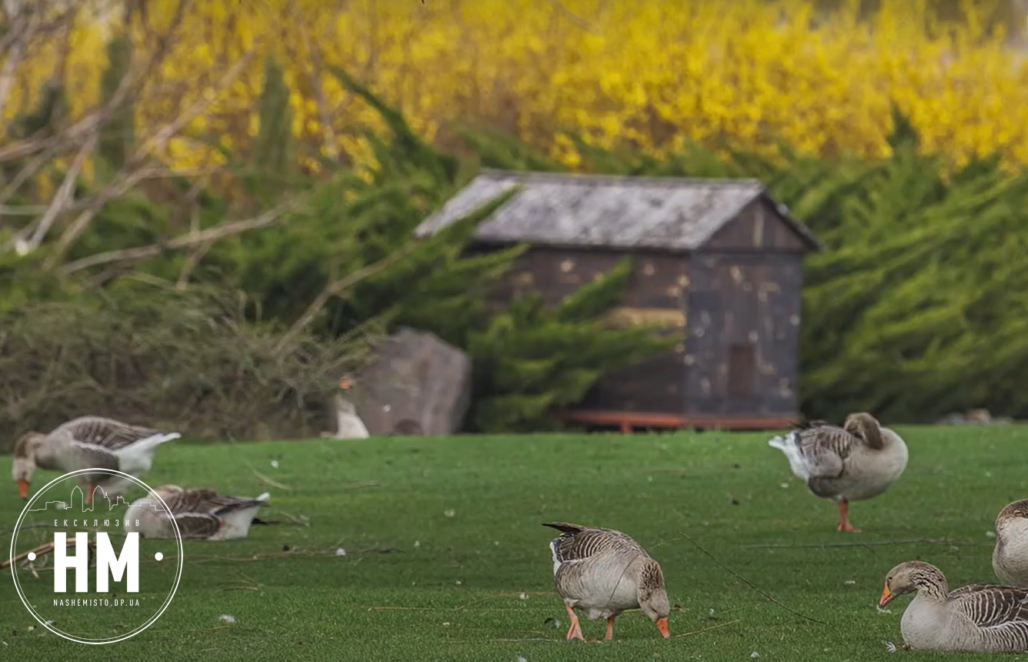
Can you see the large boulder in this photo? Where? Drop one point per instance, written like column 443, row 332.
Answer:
column 415, row 385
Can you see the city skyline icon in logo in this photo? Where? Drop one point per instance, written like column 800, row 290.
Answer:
column 77, row 569
column 69, row 505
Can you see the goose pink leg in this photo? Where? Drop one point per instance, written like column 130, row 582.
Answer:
column 575, row 631
column 844, row 518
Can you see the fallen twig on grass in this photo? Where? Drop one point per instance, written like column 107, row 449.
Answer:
column 302, row 520
column 721, row 565
column 707, row 629
column 267, row 480
column 878, row 543
column 37, row 525
column 360, row 484
column 42, row 549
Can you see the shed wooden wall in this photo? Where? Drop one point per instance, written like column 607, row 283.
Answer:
column 655, row 293
column 736, row 305
column 743, row 338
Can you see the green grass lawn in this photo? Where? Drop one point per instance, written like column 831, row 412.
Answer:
column 446, row 559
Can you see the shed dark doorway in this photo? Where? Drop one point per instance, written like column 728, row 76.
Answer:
column 742, row 370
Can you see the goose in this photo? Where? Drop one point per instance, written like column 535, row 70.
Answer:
column 978, row 618
column 89, row 442
column 348, row 422
column 1010, row 555
column 603, row 573
column 199, row 513
column 858, row 461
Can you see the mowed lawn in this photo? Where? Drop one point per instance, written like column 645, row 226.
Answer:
column 446, row 559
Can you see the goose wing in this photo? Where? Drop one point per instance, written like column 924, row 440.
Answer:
column 580, row 543
column 197, row 525
column 208, row 502
column 1002, row 611
column 824, row 449
column 106, row 432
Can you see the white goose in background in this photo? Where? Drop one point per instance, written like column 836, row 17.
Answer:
column 348, row 423
column 200, row 514
column 1010, row 555
column 603, row 573
column 858, row 461
column 89, row 442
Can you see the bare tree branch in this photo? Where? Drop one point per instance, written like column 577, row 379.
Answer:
column 337, row 286
column 60, row 200
column 191, row 239
column 22, row 35
column 98, row 116
column 329, row 137
column 159, row 139
column 151, row 144
column 119, row 187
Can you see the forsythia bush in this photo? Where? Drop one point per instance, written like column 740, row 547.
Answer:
column 652, row 73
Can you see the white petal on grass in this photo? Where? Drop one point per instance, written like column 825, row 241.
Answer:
column 225, row 618
column 274, row 464
column 450, row 512
column 340, row 551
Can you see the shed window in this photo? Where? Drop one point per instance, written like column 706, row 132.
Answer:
column 742, row 370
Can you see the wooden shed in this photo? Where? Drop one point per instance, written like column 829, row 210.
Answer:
column 716, row 261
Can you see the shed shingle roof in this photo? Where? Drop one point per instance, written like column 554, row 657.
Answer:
column 604, row 211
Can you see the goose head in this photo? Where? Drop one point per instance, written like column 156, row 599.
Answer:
column 913, row 576
column 1012, row 520
column 866, row 427
column 652, row 596
column 26, row 449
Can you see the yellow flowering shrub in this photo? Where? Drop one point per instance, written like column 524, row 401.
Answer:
column 652, row 73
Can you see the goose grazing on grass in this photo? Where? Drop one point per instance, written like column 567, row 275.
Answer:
column 200, row 514
column 1010, row 555
column 975, row 619
column 603, row 573
column 858, row 461
column 89, row 442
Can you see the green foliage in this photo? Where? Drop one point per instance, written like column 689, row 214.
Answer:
column 532, row 359
column 273, row 150
column 917, row 307
column 119, row 131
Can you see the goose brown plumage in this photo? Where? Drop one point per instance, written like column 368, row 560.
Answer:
column 859, row 460
column 603, row 573
column 88, row 442
column 198, row 513
column 978, row 618
column 1010, row 554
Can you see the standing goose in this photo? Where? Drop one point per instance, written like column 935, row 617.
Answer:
column 604, row 573
column 200, row 514
column 85, row 443
column 975, row 619
column 858, row 461
column 1010, row 555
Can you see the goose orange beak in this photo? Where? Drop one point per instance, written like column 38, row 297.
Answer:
column 662, row 626
column 886, row 598
column 23, row 488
